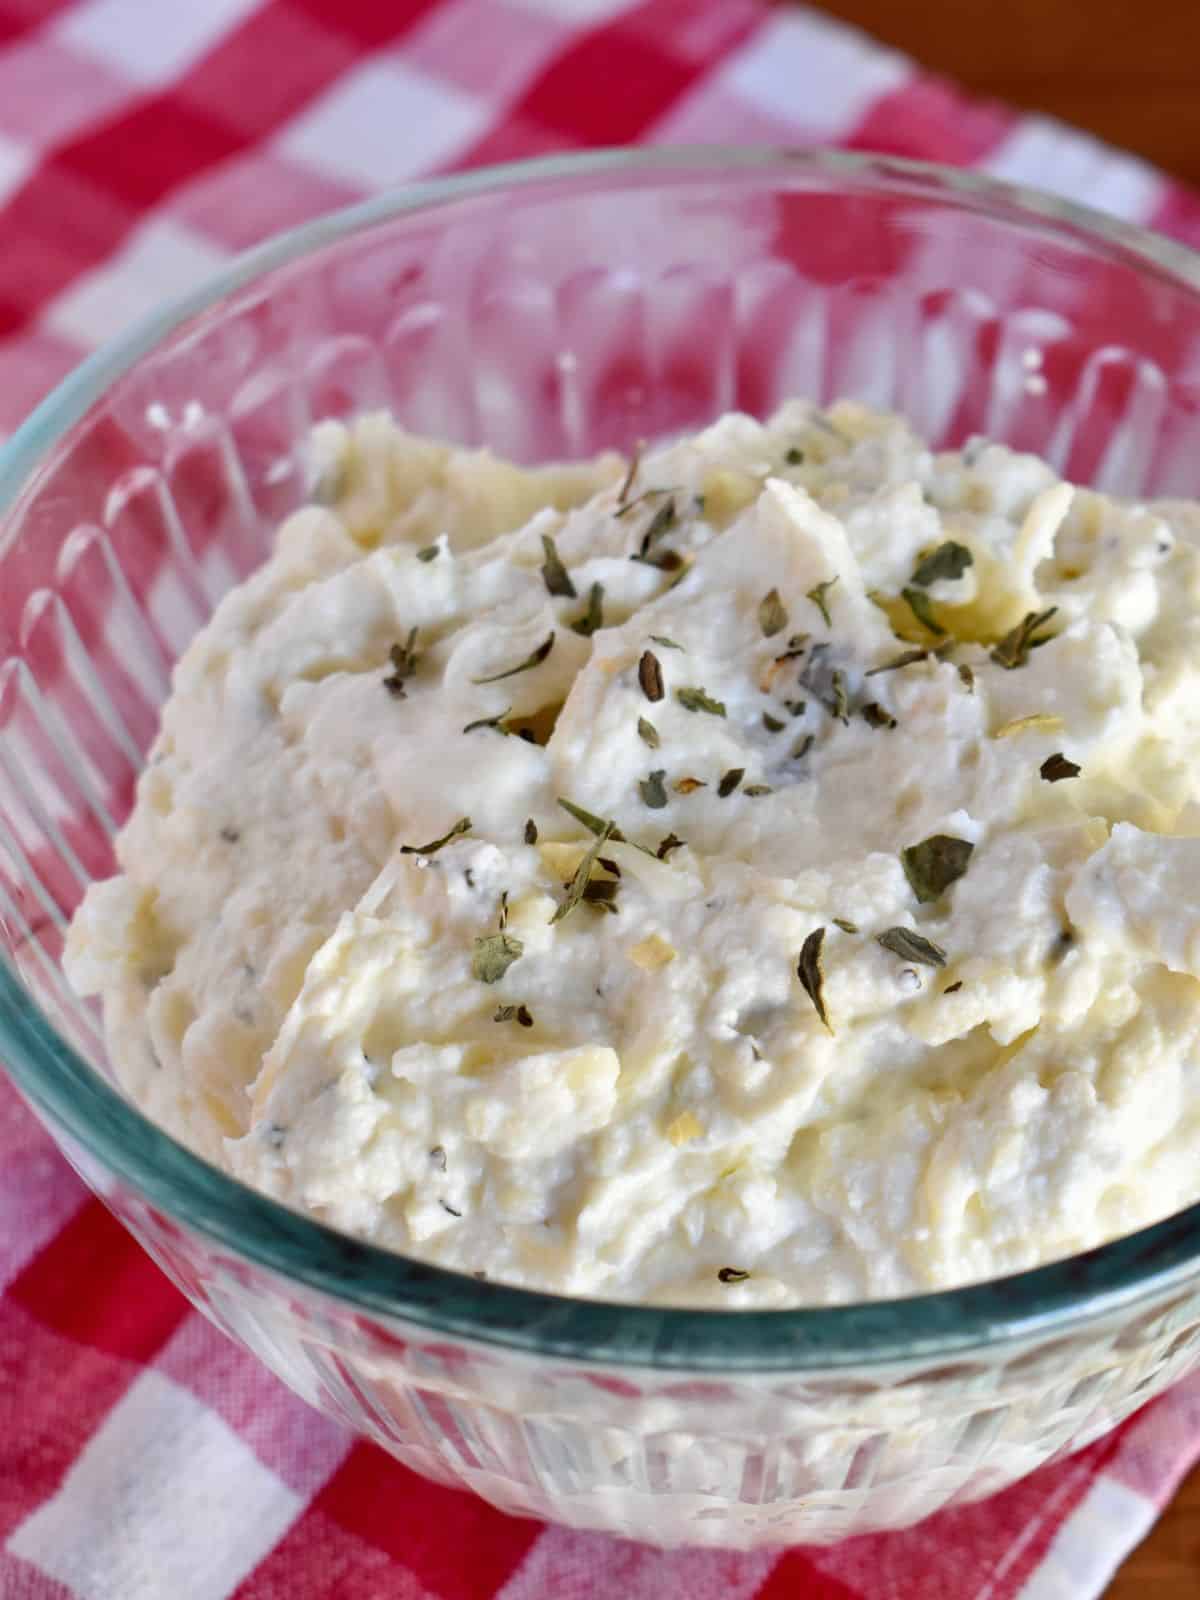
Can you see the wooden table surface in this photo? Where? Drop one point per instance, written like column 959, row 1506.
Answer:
column 1128, row 71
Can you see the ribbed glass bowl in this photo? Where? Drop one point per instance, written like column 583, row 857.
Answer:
column 551, row 310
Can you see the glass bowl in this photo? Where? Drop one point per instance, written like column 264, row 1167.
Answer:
column 549, row 310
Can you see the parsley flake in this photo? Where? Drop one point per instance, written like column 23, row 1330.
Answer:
column 812, row 978
column 494, row 954
column 463, row 825
column 817, row 595
column 695, row 699
column 934, row 864
column 910, row 946
column 533, row 660
column 554, row 575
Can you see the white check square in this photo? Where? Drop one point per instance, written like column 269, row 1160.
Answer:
column 383, row 122
column 817, row 74
column 165, row 1500
column 161, row 259
column 150, row 41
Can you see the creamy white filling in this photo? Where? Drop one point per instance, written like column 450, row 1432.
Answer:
column 812, row 664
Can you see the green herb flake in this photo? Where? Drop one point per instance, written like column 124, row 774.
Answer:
column 592, row 822
column 772, row 614
column 772, row 724
column 952, row 988
column 844, row 925
column 756, row 790
column 534, row 660
column 667, row 644
column 695, row 699
column 648, row 733
column 463, row 825
column 948, row 562
column 910, row 946
column 627, row 483
column 966, row 677
column 839, row 701
column 730, row 781
column 429, row 553
column 531, row 831
column 918, row 603
column 665, row 846
column 809, row 971
column 732, row 1275
column 817, row 595
column 1013, row 650
column 554, row 575
column 653, row 790
column 802, row 746
column 601, row 894
column 934, row 864
column 906, row 658
column 650, row 676
column 583, row 873
column 593, row 618
column 794, row 456
column 403, row 658
column 874, row 715
column 489, row 722
column 657, row 528
column 520, row 1014
column 494, row 954
column 1056, row 767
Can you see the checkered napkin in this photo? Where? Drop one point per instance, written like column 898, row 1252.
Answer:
column 142, row 1456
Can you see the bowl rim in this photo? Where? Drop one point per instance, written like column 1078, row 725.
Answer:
column 102, row 1127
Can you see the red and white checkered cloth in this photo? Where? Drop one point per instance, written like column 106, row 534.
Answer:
column 142, row 141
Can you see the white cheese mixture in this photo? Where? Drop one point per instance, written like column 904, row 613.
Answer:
column 882, row 973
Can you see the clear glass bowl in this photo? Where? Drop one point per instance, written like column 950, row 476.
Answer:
column 550, row 310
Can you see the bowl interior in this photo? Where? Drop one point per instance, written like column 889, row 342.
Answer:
column 550, row 312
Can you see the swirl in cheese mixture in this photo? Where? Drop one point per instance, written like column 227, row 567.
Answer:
column 762, row 873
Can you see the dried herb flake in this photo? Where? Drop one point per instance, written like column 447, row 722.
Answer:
column 844, row 925
column 1057, row 767
column 489, row 722
column 949, row 561
column 429, row 553
column 648, row 733
column 403, row 658
column 583, row 873
column 463, row 825
column 494, row 954
column 730, row 781
column 534, row 660
column 772, row 614
column 817, row 595
column 732, row 1275
column 919, row 604
column 593, row 618
column 531, row 831
column 906, row 658
column 554, row 575
column 653, row 790
column 910, row 946
column 650, row 676
column 1013, row 650
column 934, row 864
column 696, row 699
column 812, row 978
column 665, row 846
column 874, row 715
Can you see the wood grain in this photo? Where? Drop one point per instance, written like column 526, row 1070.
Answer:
column 1129, row 72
